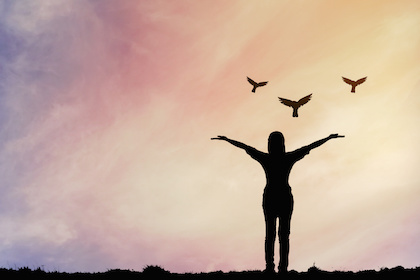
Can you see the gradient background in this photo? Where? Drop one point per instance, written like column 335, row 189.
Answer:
column 107, row 109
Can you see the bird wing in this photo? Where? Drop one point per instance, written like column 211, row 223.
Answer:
column 251, row 81
column 262, row 84
column 287, row 102
column 350, row 82
column 359, row 81
column 304, row 100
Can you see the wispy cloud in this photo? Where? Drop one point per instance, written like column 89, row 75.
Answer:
column 107, row 109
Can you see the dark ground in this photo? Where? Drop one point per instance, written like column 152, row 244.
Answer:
column 156, row 272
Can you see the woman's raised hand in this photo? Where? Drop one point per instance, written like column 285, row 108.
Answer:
column 336, row 135
column 219, row 137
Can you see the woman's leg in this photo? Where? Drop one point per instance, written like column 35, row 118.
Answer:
column 284, row 232
column 270, row 236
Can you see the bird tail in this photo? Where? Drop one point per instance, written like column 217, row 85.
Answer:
column 295, row 113
column 353, row 88
column 253, row 90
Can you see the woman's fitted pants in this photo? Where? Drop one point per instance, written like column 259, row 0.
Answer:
column 280, row 207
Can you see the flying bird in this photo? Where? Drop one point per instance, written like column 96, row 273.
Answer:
column 295, row 105
column 256, row 84
column 354, row 83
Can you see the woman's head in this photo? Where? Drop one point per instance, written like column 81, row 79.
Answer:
column 276, row 143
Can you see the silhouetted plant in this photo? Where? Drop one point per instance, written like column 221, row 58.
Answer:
column 155, row 270
column 314, row 269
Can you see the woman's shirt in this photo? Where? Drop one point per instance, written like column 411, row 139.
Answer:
column 277, row 167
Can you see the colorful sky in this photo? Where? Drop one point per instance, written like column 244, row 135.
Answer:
column 107, row 109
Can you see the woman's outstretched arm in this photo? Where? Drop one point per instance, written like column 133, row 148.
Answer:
column 233, row 142
column 318, row 143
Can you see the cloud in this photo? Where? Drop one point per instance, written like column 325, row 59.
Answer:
column 106, row 115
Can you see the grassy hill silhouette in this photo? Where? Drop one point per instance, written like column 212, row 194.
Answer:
column 156, row 272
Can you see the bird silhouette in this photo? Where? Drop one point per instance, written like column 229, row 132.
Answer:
column 354, row 83
column 295, row 105
column 256, row 84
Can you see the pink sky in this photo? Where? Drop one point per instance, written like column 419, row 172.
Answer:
column 108, row 107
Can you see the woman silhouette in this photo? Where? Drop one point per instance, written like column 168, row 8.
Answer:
column 277, row 197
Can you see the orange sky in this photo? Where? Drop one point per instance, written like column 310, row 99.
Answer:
column 108, row 110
